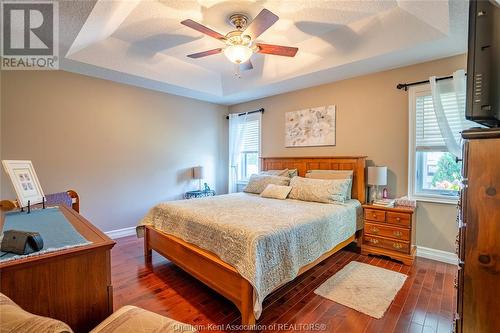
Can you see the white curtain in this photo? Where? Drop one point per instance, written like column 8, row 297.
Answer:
column 450, row 112
column 236, row 133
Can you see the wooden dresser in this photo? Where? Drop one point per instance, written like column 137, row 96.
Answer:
column 478, row 280
column 390, row 232
column 72, row 285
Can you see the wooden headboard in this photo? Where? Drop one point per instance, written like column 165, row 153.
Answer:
column 303, row 164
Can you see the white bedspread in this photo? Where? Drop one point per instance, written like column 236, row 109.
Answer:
column 266, row 240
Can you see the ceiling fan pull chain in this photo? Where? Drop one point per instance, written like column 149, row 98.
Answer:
column 237, row 73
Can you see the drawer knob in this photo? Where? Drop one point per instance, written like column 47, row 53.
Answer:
column 375, row 230
column 398, row 234
column 397, row 245
column 375, row 215
column 398, row 219
column 374, row 241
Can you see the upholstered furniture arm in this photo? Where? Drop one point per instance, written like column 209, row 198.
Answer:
column 15, row 319
column 131, row 319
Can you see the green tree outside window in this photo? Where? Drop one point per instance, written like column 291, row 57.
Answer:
column 447, row 175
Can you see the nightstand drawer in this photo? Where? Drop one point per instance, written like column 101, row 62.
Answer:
column 375, row 215
column 394, row 245
column 387, row 231
column 399, row 218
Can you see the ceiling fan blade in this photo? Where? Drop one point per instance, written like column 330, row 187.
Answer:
column 205, row 53
column 246, row 66
column 261, row 23
column 285, row 51
column 203, row 29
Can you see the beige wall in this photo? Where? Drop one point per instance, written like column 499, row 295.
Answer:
column 122, row 148
column 372, row 120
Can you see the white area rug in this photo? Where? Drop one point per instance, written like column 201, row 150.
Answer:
column 362, row 287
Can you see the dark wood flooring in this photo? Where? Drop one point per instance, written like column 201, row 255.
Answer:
column 424, row 304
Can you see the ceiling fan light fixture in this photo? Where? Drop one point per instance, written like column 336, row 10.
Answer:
column 238, row 54
column 241, row 43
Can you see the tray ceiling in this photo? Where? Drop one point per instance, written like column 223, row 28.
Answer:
column 143, row 43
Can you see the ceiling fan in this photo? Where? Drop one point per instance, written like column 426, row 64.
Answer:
column 240, row 43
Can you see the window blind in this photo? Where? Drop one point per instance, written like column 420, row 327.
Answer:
column 428, row 136
column 251, row 136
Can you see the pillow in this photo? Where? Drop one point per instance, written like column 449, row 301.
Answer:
column 276, row 191
column 319, row 190
column 257, row 183
column 281, row 173
column 293, row 173
column 333, row 174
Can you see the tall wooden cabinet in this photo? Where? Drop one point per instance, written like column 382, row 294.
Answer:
column 478, row 280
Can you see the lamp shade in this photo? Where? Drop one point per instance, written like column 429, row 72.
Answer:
column 198, row 172
column 377, row 175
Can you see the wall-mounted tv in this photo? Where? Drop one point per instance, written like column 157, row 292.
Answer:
column 483, row 65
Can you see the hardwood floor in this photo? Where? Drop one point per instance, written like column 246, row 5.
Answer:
column 424, row 304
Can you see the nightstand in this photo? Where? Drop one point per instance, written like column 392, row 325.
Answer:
column 389, row 231
column 199, row 194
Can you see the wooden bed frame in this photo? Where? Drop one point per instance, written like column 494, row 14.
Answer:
column 222, row 277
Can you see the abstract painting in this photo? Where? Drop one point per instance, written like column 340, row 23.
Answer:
column 310, row 127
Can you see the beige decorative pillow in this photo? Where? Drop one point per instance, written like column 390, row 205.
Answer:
column 333, row 174
column 319, row 190
column 276, row 191
column 257, row 183
column 293, row 173
column 281, row 173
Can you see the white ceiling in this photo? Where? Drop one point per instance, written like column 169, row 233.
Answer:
column 143, row 43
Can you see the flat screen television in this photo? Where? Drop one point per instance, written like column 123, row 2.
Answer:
column 483, row 64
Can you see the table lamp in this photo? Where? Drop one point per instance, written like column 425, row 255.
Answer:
column 198, row 173
column 377, row 175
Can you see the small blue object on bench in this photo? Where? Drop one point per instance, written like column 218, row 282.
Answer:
column 57, row 232
column 61, row 198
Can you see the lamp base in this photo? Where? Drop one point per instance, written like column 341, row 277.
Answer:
column 373, row 193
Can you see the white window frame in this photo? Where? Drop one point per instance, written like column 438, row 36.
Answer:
column 413, row 93
column 245, row 181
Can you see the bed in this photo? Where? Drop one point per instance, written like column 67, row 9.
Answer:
column 238, row 245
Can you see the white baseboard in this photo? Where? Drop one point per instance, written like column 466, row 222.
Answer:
column 119, row 233
column 438, row 255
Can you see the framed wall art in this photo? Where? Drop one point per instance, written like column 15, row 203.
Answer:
column 310, row 127
column 25, row 182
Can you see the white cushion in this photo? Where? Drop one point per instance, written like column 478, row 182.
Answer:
column 257, row 183
column 276, row 191
column 319, row 190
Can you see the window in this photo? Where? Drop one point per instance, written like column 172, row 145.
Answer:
column 434, row 173
column 250, row 148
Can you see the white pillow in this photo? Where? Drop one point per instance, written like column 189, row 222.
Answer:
column 332, row 174
column 257, row 183
column 276, row 191
column 319, row 190
column 282, row 173
column 285, row 172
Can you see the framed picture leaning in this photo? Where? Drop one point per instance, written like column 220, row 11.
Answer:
column 25, row 182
